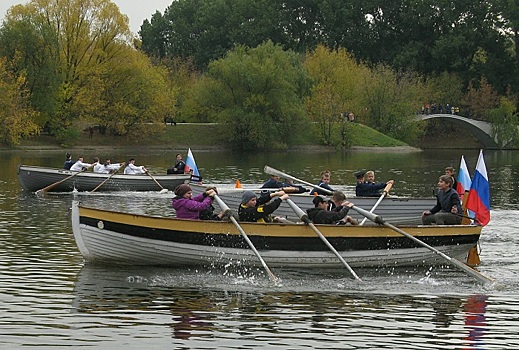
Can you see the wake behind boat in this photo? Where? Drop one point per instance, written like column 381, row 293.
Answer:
column 112, row 237
column 34, row 178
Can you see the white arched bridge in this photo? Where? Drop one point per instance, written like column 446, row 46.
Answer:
column 480, row 129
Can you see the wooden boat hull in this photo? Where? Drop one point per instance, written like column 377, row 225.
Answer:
column 122, row 238
column 396, row 210
column 33, row 178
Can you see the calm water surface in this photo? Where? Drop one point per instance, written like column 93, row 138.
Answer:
column 49, row 298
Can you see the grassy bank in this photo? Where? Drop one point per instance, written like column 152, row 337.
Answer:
column 207, row 136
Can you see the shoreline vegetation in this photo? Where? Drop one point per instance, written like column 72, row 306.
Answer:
column 207, row 137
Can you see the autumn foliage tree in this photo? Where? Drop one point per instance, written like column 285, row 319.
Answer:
column 82, row 67
column 336, row 79
column 16, row 114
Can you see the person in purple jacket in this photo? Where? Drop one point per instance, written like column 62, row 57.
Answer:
column 189, row 207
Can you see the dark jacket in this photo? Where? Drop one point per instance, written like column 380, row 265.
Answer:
column 318, row 190
column 369, row 189
column 321, row 216
column 178, row 168
column 271, row 183
column 261, row 212
column 446, row 200
column 68, row 164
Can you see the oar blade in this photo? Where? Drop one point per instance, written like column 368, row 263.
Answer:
column 467, row 269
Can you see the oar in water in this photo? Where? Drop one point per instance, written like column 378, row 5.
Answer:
column 108, row 178
column 382, row 196
column 163, row 190
column 272, row 171
column 302, row 215
column 225, row 208
column 470, row 271
column 51, row 186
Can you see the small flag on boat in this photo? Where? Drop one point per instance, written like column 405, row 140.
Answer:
column 464, row 180
column 191, row 167
column 478, row 199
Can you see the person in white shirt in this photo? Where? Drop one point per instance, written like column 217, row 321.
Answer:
column 79, row 165
column 132, row 169
column 107, row 167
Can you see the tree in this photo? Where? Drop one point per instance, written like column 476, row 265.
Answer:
column 391, row 99
column 479, row 99
column 76, row 43
column 258, row 93
column 505, row 123
column 16, row 114
column 336, row 81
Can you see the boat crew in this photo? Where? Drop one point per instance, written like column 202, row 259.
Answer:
column 132, row 169
column 448, row 205
column 368, row 187
column 254, row 209
column 107, row 167
column 288, row 186
column 324, row 183
column 68, row 162
column 188, row 207
column 179, row 166
column 79, row 165
column 321, row 215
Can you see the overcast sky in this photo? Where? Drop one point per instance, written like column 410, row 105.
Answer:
column 136, row 10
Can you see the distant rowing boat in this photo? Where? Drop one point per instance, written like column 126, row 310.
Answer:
column 34, row 178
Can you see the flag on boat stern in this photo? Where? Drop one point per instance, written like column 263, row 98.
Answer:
column 464, row 181
column 191, row 167
column 478, row 199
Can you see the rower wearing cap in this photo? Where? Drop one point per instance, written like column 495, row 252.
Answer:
column 254, row 209
column 321, row 215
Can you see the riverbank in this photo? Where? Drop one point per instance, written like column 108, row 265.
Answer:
column 208, row 137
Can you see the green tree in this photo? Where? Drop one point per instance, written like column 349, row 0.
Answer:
column 505, row 123
column 391, row 99
column 336, row 81
column 16, row 114
column 479, row 99
column 258, row 93
column 76, row 43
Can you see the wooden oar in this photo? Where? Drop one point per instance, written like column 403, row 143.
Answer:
column 51, row 186
column 108, row 178
column 225, row 208
column 163, row 190
column 272, row 171
column 382, row 196
column 302, row 215
column 378, row 220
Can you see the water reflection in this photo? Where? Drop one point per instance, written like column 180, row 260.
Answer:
column 200, row 305
column 475, row 321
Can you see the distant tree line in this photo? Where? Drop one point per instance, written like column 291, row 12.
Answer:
column 264, row 68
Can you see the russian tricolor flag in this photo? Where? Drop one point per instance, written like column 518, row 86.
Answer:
column 464, row 181
column 478, row 199
column 191, row 166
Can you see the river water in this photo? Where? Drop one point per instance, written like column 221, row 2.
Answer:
column 49, row 298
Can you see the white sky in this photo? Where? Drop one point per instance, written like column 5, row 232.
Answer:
column 136, row 10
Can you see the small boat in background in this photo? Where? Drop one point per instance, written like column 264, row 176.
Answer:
column 112, row 237
column 34, row 178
